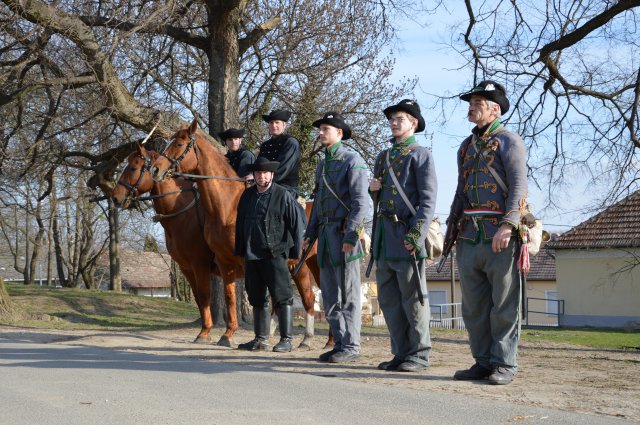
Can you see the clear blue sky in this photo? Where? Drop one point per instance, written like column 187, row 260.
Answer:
column 422, row 53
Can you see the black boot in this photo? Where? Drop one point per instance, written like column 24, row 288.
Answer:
column 261, row 318
column 285, row 323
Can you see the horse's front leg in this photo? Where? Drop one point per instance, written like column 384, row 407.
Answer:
column 303, row 283
column 232, row 313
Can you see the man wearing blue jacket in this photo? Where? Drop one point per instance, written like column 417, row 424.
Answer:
column 340, row 207
column 491, row 192
column 405, row 186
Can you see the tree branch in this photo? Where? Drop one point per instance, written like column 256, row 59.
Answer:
column 257, row 33
column 577, row 35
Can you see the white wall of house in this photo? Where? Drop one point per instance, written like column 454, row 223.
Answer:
column 152, row 292
column 600, row 287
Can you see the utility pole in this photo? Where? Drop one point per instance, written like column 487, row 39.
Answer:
column 453, row 289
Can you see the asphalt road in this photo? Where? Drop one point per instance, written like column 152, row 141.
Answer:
column 68, row 384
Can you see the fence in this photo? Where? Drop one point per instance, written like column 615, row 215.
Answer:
column 446, row 316
column 534, row 316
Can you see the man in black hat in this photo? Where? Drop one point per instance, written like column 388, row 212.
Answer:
column 492, row 189
column 340, row 207
column 269, row 228
column 405, row 186
column 237, row 155
column 283, row 148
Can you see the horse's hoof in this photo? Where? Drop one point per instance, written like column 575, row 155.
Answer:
column 202, row 340
column 305, row 346
column 328, row 346
column 225, row 342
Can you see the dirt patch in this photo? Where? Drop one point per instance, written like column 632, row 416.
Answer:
column 551, row 375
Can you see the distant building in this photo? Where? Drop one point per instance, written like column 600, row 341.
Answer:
column 598, row 266
column 540, row 290
column 143, row 273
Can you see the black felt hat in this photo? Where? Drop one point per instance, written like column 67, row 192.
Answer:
column 490, row 90
column 409, row 106
column 263, row 164
column 277, row 114
column 232, row 133
column 336, row 120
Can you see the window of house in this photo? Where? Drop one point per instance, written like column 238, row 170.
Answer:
column 436, row 298
column 552, row 302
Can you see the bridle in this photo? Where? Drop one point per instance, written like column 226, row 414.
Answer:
column 132, row 188
column 174, row 168
column 175, row 162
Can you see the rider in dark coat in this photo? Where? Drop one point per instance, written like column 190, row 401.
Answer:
column 284, row 148
column 237, row 155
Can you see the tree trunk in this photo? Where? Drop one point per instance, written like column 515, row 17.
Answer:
column 58, row 251
column 218, row 307
column 35, row 269
column 115, row 279
column 224, row 69
column 245, row 313
column 8, row 309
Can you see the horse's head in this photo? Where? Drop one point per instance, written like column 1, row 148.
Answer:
column 181, row 154
column 135, row 178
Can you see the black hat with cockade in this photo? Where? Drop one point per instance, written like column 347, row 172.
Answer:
column 490, row 90
column 409, row 106
column 336, row 120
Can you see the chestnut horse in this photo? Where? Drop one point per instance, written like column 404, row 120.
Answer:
column 182, row 217
column 220, row 190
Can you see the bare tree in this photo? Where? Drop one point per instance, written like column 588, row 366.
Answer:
column 80, row 82
column 571, row 68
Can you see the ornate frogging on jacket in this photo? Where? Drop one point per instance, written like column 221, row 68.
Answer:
column 505, row 152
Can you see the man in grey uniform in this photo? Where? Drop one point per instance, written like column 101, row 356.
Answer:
column 337, row 219
column 405, row 186
column 492, row 190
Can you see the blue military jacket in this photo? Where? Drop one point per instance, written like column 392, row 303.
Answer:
column 347, row 175
column 480, row 204
column 416, row 174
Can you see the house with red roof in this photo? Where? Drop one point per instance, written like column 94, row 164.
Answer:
column 598, row 268
column 540, row 293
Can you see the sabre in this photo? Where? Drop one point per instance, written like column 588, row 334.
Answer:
column 303, row 257
column 416, row 278
column 149, row 135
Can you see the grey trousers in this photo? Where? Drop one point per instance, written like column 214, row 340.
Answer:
column 407, row 320
column 345, row 320
column 490, row 285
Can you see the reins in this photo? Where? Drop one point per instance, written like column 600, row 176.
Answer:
column 194, row 201
column 162, row 195
column 199, row 177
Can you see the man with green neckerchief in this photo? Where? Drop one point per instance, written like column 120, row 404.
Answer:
column 405, row 186
column 491, row 192
column 341, row 205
